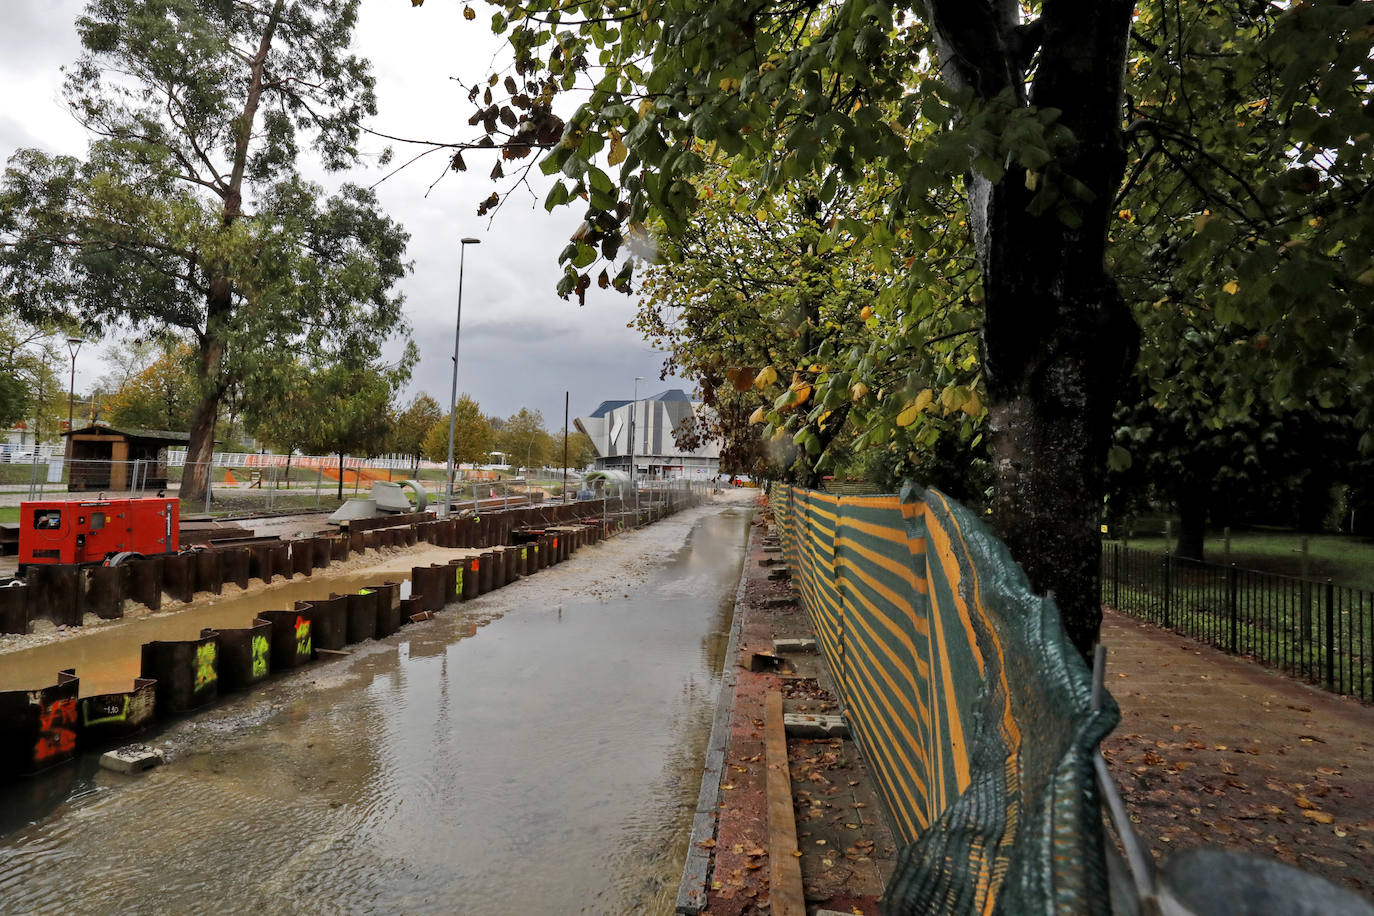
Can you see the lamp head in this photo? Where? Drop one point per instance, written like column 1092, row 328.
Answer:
column 472, row 241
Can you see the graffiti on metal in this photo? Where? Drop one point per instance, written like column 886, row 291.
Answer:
column 105, row 710
column 56, row 730
column 303, row 647
column 260, row 650
column 205, row 664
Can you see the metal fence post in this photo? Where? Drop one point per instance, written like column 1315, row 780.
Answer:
column 319, row 481
column 1116, row 576
column 1231, row 608
column 1168, row 588
column 1330, row 635
column 209, row 484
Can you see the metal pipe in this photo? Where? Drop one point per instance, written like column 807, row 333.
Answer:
column 453, row 395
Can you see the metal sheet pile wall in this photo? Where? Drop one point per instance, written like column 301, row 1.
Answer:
column 51, row 723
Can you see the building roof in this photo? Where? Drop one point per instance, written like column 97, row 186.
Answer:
column 162, row 435
column 670, row 394
column 606, row 407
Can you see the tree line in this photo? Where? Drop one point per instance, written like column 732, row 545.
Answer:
column 1039, row 254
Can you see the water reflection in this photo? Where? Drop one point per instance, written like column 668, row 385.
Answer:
column 548, row 764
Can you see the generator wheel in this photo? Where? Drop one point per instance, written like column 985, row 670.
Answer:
column 123, row 557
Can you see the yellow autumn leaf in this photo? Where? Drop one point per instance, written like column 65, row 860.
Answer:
column 973, row 407
column 469, row 13
column 908, row 415
column 858, row 390
column 617, row 153
column 767, row 376
column 756, row 417
column 1321, row 817
column 1233, row 287
column 924, row 398
column 865, row 313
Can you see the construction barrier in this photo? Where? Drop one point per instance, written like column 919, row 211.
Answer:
column 967, row 698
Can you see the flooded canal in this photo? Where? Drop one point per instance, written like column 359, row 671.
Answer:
column 535, row 751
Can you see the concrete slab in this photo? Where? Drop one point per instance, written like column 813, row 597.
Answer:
column 132, row 758
column 805, row 725
column 796, row 644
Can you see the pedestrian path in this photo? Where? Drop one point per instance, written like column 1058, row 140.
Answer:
column 1216, row 750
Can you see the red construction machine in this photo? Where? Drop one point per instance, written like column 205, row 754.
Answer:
column 96, row 530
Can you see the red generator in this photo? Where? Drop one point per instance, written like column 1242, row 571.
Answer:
column 92, row 531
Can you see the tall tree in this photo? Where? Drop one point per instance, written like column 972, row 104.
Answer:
column 186, row 213
column 581, row 450
column 524, row 439
column 472, row 435
column 30, row 383
column 355, row 421
column 412, row 425
column 161, row 396
column 1019, row 106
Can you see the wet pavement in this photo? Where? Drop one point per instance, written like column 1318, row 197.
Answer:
column 535, row 751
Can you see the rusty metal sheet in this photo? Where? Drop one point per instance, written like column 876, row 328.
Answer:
column 245, row 654
column 292, row 637
column 262, row 565
column 38, row 728
column 484, row 572
column 178, row 580
column 409, row 609
column 329, row 621
column 388, row 607
column 321, row 553
column 362, row 615
column 469, row 578
column 235, row 564
column 14, row 609
column 208, row 568
column 110, row 716
column 103, row 594
column 281, row 560
column 302, row 553
column 448, row 579
column 53, row 593
column 141, row 581
column 186, row 671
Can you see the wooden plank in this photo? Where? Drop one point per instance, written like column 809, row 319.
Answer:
column 784, row 865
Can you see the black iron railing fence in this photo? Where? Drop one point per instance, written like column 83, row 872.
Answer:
column 1317, row 631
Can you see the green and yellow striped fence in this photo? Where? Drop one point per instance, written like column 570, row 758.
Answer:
column 970, row 704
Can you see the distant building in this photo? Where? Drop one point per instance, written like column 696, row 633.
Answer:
column 656, row 455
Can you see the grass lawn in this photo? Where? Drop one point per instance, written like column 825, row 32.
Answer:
column 1346, row 561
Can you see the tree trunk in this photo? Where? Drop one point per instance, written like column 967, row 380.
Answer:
column 288, row 470
column 1058, row 340
column 200, row 450
column 219, row 302
column 1190, row 497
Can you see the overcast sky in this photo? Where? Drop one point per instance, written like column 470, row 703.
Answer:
column 521, row 344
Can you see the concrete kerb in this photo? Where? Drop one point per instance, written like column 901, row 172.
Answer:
column 691, row 894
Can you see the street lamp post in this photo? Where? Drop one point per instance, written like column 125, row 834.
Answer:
column 73, row 345
column 453, row 395
column 634, row 482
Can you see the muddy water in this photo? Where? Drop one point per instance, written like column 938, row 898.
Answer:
column 107, row 659
column 545, row 762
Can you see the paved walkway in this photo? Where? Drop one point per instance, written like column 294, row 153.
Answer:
column 1216, row 750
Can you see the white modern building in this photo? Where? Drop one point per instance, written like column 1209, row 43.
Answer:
column 656, row 455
